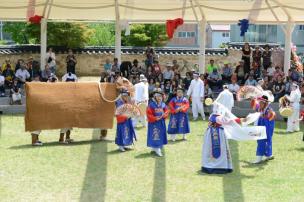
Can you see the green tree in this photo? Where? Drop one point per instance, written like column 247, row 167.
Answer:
column 144, row 34
column 58, row 34
column 103, row 35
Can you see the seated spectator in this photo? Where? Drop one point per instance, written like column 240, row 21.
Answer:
column 187, row 81
column 150, row 74
column 215, row 80
column 33, row 68
column 71, row 61
column 288, row 85
column 167, row 87
column 22, row 75
column 255, row 70
column 278, row 72
column 135, row 68
column 2, row 89
column 18, row 64
column 226, row 72
column 184, row 69
column 177, row 78
column 125, row 68
column 52, row 79
column 240, row 72
column 46, row 73
column 104, row 77
column 115, row 66
column 69, row 77
column 294, row 75
column 267, row 84
column 172, row 93
column 278, row 88
column 151, row 87
column 175, row 67
column 15, row 93
column 5, row 64
column 265, row 74
column 208, row 91
column 211, row 66
column 9, row 76
column 156, row 68
column 107, row 66
column 234, row 87
column 270, row 71
column 168, row 73
column 251, row 81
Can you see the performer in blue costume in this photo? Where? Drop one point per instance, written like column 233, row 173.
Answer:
column 216, row 157
column 157, row 112
column 179, row 122
column 264, row 147
column 125, row 133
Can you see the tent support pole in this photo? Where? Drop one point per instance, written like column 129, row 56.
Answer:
column 202, row 45
column 43, row 43
column 117, row 33
column 288, row 41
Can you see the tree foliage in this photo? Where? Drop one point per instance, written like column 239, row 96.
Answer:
column 58, row 34
column 103, row 35
column 144, row 34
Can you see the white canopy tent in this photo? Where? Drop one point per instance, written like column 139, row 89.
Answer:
column 284, row 12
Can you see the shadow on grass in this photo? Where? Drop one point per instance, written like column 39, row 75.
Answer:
column 177, row 141
column 232, row 184
column 57, row 144
column 300, row 149
column 95, row 180
column 159, row 184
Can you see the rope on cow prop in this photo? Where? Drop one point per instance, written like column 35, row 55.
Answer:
column 103, row 97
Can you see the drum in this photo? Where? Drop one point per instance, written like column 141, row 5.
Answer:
column 208, row 101
column 142, row 108
column 285, row 108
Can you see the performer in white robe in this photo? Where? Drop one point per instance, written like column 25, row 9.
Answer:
column 226, row 98
column 141, row 97
column 196, row 91
column 294, row 98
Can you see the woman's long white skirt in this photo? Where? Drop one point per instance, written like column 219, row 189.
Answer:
column 216, row 158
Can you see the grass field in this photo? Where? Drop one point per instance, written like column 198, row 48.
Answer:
column 90, row 170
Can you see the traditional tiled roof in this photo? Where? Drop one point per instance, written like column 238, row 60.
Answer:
column 18, row 49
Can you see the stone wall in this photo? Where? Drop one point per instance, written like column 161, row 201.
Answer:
column 91, row 64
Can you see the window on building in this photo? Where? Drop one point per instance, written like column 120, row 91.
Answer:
column 225, row 34
column 301, row 27
column 186, row 34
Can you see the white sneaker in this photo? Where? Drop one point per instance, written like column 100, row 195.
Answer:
column 184, row 137
column 38, row 143
column 258, row 160
column 121, row 148
column 173, row 138
column 158, row 152
column 204, row 118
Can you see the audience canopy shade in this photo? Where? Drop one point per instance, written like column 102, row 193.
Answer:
column 214, row 11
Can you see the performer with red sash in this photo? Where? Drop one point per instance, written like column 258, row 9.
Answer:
column 179, row 121
column 267, row 119
column 125, row 133
column 157, row 112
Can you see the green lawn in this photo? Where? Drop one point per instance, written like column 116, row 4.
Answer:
column 90, row 170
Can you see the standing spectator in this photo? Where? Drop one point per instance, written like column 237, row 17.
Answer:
column 251, row 81
column 234, row 87
column 2, row 89
column 278, row 88
column 107, row 66
column 9, row 76
column 71, row 62
column 211, row 66
column 278, row 72
column 257, row 55
column 168, row 73
column 125, row 68
column 149, row 55
column 266, row 57
column 22, row 75
column 51, row 60
column 240, row 72
column 246, row 53
column 226, row 72
column 215, row 80
column 15, row 93
column 187, row 81
column 294, row 74
column 196, row 91
column 115, row 66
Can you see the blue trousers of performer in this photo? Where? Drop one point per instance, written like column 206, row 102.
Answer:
column 264, row 147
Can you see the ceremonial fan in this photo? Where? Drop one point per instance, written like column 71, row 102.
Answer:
column 249, row 92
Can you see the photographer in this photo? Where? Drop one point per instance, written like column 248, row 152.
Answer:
column 51, row 60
